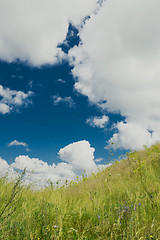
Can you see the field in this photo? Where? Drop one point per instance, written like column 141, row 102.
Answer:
column 120, row 202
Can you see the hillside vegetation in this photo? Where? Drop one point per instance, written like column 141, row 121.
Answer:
column 120, row 202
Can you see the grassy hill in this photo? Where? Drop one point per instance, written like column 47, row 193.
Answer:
column 120, row 202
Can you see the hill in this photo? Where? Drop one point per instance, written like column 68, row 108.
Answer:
column 120, row 202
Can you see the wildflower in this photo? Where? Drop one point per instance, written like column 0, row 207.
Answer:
column 135, row 208
column 98, row 216
column 139, row 204
column 55, row 226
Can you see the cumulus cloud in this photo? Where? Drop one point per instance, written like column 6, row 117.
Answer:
column 4, row 108
column 68, row 100
column 11, row 99
column 80, row 155
column 31, row 30
column 132, row 135
column 39, row 173
column 76, row 158
column 17, row 143
column 7, row 170
column 98, row 121
column 117, row 65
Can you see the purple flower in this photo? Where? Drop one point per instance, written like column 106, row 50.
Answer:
column 139, row 204
column 135, row 208
column 98, row 216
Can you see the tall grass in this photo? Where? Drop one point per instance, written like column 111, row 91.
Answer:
column 120, row 202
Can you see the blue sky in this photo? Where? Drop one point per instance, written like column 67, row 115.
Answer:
column 46, row 127
column 76, row 77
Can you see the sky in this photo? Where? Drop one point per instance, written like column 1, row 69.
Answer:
column 77, row 80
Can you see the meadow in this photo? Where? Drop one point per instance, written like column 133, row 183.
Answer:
column 119, row 202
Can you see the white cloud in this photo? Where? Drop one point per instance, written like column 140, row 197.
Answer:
column 39, row 173
column 132, row 135
column 61, row 80
column 17, row 143
column 31, row 30
column 80, row 155
column 4, row 108
column 7, row 170
column 98, row 159
column 11, row 99
column 68, row 100
column 98, row 121
column 117, row 64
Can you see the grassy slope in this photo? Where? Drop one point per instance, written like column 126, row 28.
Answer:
column 121, row 202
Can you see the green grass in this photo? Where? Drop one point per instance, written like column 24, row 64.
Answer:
column 120, row 202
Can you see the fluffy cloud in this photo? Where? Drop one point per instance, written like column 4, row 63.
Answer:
column 78, row 157
column 4, row 108
column 31, row 30
column 132, row 135
column 39, row 173
column 68, row 100
column 17, row 143
column 117, row 65
column 7, row 170
column 98, row 121
column 11, row 99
